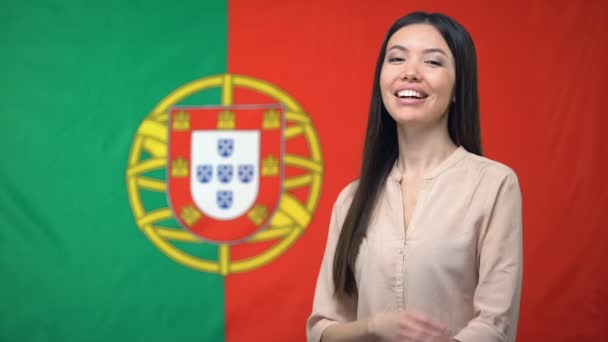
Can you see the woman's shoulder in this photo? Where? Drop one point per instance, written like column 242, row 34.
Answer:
column 488, row 168
column 345, row 196
column 492, row 179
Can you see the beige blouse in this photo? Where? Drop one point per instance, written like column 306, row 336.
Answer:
column 460, row 261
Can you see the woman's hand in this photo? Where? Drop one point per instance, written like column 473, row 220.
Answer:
column 406, row 326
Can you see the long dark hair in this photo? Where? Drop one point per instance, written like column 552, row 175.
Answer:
column 381, row 149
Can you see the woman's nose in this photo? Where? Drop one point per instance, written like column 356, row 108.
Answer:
column 410, row 74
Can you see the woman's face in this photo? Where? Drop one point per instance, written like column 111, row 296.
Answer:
column 417, row 76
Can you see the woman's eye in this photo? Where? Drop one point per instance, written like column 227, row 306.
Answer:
column 396, row 59
column 434, row 63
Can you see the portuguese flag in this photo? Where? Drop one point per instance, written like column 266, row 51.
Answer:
column 105, row 106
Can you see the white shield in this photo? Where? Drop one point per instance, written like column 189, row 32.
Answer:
column 224, row 178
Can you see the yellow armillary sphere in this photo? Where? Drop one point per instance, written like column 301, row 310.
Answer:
column 146, row 177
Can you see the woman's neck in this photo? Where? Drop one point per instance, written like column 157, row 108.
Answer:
column 422, row 149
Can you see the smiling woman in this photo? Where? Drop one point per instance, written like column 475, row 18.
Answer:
column 417, row 78
column 427, row 244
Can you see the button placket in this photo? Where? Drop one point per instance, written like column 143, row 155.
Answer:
column 403, row 275
column 398, row 268
column 399, row 281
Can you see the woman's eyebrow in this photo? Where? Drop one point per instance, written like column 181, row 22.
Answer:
column 429, row 50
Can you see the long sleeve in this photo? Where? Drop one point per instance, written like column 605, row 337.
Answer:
column 497, row 295
column 327, row 309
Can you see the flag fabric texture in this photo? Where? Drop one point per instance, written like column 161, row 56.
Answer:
column 103, row 239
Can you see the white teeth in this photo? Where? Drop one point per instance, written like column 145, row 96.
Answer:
column 411, row 93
